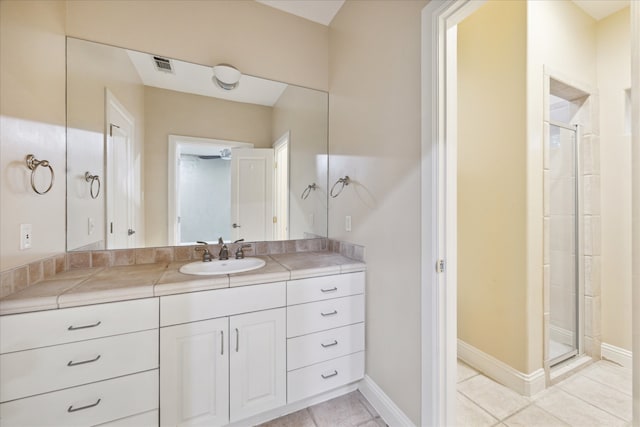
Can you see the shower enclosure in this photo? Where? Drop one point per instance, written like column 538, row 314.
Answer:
column 564, row 252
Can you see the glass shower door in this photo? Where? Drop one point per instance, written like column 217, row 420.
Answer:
column 563, row 243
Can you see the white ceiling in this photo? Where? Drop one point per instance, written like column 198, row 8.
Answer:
column 196, row 79
column 323, row 11
column 320, row 11
column 600, row 9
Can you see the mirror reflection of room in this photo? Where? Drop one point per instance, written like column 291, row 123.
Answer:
column 152, row 128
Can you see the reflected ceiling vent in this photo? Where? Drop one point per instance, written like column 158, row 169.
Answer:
column 163, row 64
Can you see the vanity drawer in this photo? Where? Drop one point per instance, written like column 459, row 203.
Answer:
column 324, row 376
column 146, row 419
column 321, row 346
column 317, row 316
column 325, row 287
column 195, row 306
column 86, row 405
column 41, row 370
column 45, row 328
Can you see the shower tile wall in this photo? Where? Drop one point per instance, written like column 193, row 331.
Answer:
column 559, row 184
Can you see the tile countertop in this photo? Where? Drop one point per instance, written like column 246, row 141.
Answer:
column 99, row 285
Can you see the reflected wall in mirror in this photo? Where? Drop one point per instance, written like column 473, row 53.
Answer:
column 179, row 159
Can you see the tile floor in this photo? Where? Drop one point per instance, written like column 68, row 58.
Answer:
column 599, row 395
column 350, row 410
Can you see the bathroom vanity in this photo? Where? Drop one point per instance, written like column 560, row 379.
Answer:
column 145, row 345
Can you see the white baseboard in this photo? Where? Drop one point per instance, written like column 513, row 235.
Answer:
column 525, row 384
column 386, row 408
column 616, row 354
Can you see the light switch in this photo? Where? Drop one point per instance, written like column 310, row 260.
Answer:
column 347, row 223
column 25, row 236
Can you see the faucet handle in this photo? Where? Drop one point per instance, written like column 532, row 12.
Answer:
column 240, row 251
column 220, row 241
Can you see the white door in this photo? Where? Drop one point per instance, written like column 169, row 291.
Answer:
column 194, row 374
column 258, row 362
column 119, row 176
column 252, row 194
column 281, row 188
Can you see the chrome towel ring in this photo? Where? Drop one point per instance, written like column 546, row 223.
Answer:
column 92, row 179
column 344, row 181
column 307, row 190
column 32, row 164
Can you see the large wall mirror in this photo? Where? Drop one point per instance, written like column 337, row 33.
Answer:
column 158, row 154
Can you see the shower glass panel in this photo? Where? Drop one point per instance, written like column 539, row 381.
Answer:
column 563, row 247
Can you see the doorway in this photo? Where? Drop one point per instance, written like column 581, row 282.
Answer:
column 440, row 211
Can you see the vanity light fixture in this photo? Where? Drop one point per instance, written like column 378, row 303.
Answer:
column 226, row 77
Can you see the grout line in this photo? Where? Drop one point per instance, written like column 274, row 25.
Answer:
column 482, row 408
column 591, row 404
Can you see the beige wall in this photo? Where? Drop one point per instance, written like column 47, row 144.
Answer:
column 92, row 68
column 614, row 77
column 492, row 280
column 176, row 113
column 32, row 122
column 304, row 114
column 256, row 39
column 261, row 41
column 374, row 137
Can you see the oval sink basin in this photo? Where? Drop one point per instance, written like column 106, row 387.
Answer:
column 217, row 266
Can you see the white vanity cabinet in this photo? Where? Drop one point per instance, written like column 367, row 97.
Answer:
column 80, row 366
column 325, row 333
column 228, row 361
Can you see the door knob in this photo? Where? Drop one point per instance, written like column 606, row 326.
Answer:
column 235, row 225
column 130, row 232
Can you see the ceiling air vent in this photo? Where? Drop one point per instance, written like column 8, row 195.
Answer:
column 163, row 64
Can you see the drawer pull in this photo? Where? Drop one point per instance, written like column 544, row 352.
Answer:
column 221, row 342
column 237, row 340
column 331, row 313
column 75, row 328
column 326, row 290
column 72, row 363
column 326, row 376
column 331, row 344
column 72, row 409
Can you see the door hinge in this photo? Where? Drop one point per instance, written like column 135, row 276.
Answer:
column 275, row 219
column 440, row 266
column 111, row 126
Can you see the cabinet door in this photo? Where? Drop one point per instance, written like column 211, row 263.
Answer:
column 194, row 374
column 258, row 362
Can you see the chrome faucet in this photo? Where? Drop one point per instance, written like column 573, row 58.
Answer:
column 206, row 255
column 224, row 250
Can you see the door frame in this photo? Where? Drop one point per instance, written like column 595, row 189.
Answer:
column 281, row 189
column 178, row 144
column 438, row 215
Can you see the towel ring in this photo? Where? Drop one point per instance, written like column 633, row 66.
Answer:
column 344, row 181
column 92, row 178
column 307, row 190
column 32, row 164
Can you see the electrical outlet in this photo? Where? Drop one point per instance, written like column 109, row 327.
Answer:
column 347, row 223
column 25, row 236
column 91, row 225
